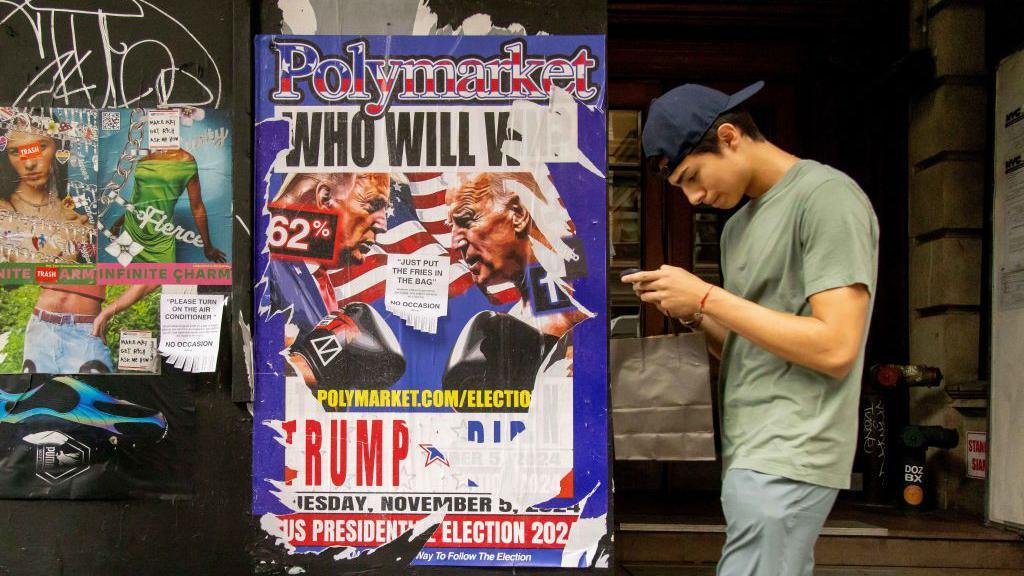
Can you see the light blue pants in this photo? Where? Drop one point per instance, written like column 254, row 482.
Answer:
column 771, row 524
column 67, row 348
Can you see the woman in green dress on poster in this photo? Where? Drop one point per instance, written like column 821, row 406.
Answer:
column 160, row 178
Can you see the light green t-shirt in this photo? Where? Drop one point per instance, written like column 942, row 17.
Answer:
column 812, row 231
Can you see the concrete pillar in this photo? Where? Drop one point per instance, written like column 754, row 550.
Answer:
column 948, row 132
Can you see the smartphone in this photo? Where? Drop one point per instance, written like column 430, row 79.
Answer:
column 627, row 272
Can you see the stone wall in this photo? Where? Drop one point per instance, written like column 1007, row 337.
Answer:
column 947, row 167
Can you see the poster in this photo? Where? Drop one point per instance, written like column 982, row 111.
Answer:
column 1004, row 459
column 166, row 202
column 48, row 182
column 429, row 300
column 95, row 224
column 82, row 437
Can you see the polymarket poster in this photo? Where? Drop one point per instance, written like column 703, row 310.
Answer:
column 430, row 340
column 103, row 212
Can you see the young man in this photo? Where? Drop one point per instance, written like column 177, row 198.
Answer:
column 800, row 264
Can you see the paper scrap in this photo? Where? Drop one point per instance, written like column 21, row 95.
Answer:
column 164, row 129
column 190, row 330
column 137, row 352
column 417, row 289
column 977, row 454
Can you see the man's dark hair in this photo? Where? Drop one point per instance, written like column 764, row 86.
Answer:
column 738, row 117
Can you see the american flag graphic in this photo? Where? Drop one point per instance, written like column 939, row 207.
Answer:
column 417, row 224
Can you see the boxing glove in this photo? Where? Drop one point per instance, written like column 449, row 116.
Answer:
column 496, row 352
column 351, row 348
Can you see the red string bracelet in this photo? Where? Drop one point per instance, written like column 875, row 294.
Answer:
column 698, row 316
column 705, row 299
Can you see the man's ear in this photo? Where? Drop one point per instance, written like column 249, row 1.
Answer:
column 729, row 135
column 520, row 217
column 324, row 195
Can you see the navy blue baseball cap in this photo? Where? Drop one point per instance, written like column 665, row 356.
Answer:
column 680, row 118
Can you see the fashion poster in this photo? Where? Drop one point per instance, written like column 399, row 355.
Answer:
column 53, row 316
column 47, row 194
column 430, row 339
column 103, row 212
column 60, row 329
column 165, row 210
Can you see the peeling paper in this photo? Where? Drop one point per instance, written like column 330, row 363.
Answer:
column 275, row 528
column 547, row 430
column 545, row 134
column 426, row 21
column 558, row 121
column 246, row 333
column 547, row 434
column 405, row 17
column 299, row 17
column 479, row 24
column 581, row 549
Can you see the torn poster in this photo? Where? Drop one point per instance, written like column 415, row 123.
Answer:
column 429, row 330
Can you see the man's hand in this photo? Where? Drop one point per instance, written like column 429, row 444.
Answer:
column 676, row 292
column 99, row 325
column 214, row 255
column 133, row 294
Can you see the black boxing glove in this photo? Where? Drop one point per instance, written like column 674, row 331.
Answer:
column 496, row 352
column 352, row 348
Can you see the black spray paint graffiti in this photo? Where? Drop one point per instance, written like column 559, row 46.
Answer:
column 92, row 52
column 875, row 433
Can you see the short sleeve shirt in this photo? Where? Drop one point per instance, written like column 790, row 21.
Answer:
column 812, row 231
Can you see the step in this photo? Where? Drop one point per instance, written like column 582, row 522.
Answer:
column 683, row 570
column 873, row 547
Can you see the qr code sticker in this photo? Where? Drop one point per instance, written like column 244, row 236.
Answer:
column 111, row 121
